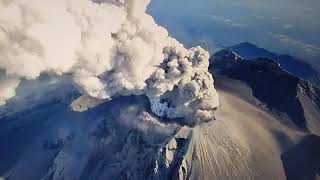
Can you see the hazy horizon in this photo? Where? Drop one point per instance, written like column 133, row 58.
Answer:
column 284, row 26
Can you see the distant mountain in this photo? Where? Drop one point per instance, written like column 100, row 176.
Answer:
column 273, row 85
column 291, row 64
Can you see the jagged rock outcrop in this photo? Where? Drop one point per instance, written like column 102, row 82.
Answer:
column 278, row 89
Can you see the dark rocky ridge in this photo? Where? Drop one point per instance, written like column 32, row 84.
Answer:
column 285, row 94
column 291, row 64
column 271, row 84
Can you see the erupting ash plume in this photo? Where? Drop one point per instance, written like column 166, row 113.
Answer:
column 109, row 48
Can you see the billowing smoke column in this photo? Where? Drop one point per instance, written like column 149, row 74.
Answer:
column 109, row 48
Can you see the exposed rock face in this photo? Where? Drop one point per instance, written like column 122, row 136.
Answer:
column 271, row 84
column 295, row 66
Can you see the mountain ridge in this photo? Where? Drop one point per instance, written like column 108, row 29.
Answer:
column 293, row 65
column 271, row 84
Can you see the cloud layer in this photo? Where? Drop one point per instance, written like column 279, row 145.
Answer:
column 108, row 47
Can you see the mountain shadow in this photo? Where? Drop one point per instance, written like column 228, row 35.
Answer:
column 303, row 160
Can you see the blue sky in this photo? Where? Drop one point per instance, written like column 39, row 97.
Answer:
column 285, row 26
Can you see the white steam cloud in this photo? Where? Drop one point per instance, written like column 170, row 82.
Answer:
column 109, row 48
